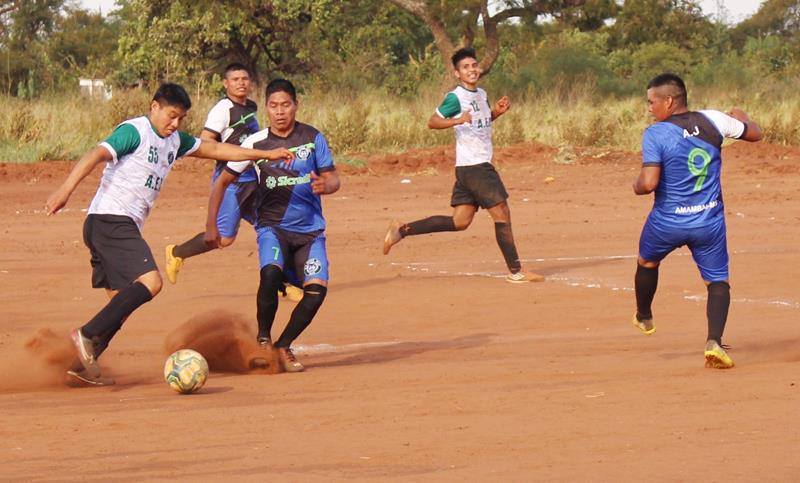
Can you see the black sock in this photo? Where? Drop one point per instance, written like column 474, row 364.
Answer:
column 101, row 343
column 646, row 282
column 313, row 296
column 111, row 317
column 267, row 299
column 719, row 299
column 432, row 224
column 505, row 240
column 193, row 246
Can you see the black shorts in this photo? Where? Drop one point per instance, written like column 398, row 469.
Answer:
column 478, row 185
column 119, row 253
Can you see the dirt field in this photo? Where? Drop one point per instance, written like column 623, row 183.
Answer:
column 424, row 364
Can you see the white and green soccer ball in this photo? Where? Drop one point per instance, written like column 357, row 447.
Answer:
column 186, row 371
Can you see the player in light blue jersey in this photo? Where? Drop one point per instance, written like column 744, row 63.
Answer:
column 681, row 163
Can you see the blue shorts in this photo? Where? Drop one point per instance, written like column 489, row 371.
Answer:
column 708, row 244
column 237, row 204
column 296, row 253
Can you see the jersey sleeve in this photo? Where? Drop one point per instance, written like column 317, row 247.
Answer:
column 322, row 154
column 219, row 117
column 728, row 126
column 450, row 106
column 651, row 147
column 189, row 144
column 124, row 140
column 237, row 167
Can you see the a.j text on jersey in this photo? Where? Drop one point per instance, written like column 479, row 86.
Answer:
column 688, row 146
column 141, row 162
column 473, row 140
column 233, row 123
column 285, row 199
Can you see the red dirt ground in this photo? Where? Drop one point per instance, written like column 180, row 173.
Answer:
column 424, row 364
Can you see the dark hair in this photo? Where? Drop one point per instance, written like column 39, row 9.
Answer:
column 172, row 95
column 235, row 66
column 463, row 53
column 674, row 81
column 281, row 85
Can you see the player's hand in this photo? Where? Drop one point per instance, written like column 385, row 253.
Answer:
column 502, row 105
column 318, row 185
column 211, row 237
column 739, row 114
column 465, row 118
column 56, row 201
column 279, row 154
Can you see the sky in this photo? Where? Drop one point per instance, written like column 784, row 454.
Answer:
column 737, row 9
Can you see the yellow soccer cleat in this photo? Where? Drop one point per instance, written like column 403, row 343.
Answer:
column 293, row 293
column 716, row 357
column 646, row 326
column 173, row 264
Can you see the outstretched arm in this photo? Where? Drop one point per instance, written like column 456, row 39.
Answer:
column 225, row 178
column 230, row 152
column 58, row 199
column 752, row 131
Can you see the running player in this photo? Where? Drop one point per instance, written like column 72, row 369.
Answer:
column 289, row 223
column 681, row 155
column 478, row 185
column 231, row 120
column 139, row 155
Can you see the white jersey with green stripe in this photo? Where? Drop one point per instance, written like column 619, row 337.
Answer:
column 473, row 140
column 141, row 160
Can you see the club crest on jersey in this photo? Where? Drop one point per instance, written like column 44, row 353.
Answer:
column 313, row 266
column 303, row 152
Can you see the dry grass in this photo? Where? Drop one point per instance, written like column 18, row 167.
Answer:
column 65, row 127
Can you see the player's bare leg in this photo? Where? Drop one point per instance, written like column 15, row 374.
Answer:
column 177, row 254
column 501, row 215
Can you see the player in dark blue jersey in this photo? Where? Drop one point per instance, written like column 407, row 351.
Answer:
column 231, row 120
column 290, row 226
column 681, row 163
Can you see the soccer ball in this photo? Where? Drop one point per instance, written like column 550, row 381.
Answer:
column 186, row 371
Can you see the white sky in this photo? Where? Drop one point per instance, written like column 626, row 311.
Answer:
column 737, row 9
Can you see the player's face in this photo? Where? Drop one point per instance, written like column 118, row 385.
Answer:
column 166, row 119
column 281, row 110
column 237, row 84
column 658, row 104
column 468, row 71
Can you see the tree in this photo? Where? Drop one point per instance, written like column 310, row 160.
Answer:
column 774, row 17
column 182, row 39
column 678, row 22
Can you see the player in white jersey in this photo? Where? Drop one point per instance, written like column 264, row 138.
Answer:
column 139, row 155
column 466, row 109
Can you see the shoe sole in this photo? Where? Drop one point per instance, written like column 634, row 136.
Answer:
column 714, row 361
column 74, row 379
column 527, row 280
column 77, row 342
column 644, row 331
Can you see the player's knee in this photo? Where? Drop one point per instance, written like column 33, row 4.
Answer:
column 462, row 224
column 721, row 288
column 313, row 295
column 271, row 276
column 152, row 281
column 226, row 242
